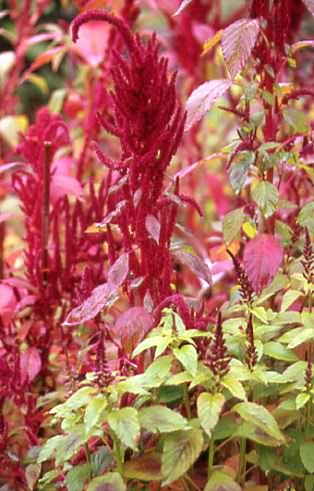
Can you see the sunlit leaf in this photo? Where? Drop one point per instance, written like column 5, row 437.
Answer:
column 238, row 40
column 202, row 99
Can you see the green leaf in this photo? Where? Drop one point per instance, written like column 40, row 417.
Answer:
column 157, row 372
column 289, row 298
column 275, row 350
column 306, row 216
column 301, row 400
column 125, row 424
column 306, row 454
column 234, row 386
column 309, row 483
column 100, row 460
column 220, row 481
column 161, row 419
column 303, row 335
column 296, row 118
column 260, row 417
column 79, row 399
column 77, row 476
column 232, row 224
column 187, row 356
column 109, row 482
column 180, row 451
column 94, row 413
column 56, row 100
column 171, row 393
column 69, row 445
column 239, row 170
column 147, row 343
column 32, row 473
column 147, row 467
column 251, row 432
column 48, row 450
column 266, row 196
column 209, row 407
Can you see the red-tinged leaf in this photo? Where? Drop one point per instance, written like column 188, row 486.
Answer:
column 153, row 227
column 46, row 36
column 4, row 217
column 309, row 5
column 99, row 298
column 183, row 5
column 186, row 170
column 118, row 272
column 30, row 364
column 92, row 43
column 7, row 303
column 45, row 57
column 113, row 214
column 238, row 40
column 262, row 258
column 202, row 99
column 131, row 327
column 10, row 166
column 65, row 185
column 196, row 265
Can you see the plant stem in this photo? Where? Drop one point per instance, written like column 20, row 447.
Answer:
column 186, row 401
column 45, row 212
column 211, row 453
column 117, row 454
column 242, row 461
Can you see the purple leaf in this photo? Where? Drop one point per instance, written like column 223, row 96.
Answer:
column 196, row 265
column 310, row 5
column 118, row 272
column 153, row 227
column 238, row 40
column 30, row 364
column 131, row 327
column 98, row 299
column 262, row 258
column 202, row 99
column 183, row 5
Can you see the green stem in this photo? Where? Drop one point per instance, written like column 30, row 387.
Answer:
column 186, row 401
column 242, row 461
column 117, row 454
column 211, row 453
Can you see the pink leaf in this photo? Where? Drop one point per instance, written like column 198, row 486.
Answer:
column 98, row 299
column 262, row 258
column 202, row 99
column 30, row 364
column 183, row 5
column 7, row 303
column 310, row 5
column 92, row 43
column 238, row 40
column 102, row 296
column 153, row 227
column 196, row 265
column 64, row 185
column 131, row 327
column 118, row 272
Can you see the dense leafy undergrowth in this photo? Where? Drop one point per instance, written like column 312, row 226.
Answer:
column 156, row 246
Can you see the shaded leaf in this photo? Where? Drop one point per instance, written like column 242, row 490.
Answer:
column 238, row 40
column 260, row 417
column 202, row 99
column 180, row 451
column 118, row 272
column 297, row 118
column 196, row 265
column 239, row 170
column 112, row 481
column 220, row 481
column 161, row 419
column 77, row 476
column 147, row 467
column 306, row 454
column 131, row 327
column 310, row 5
column 262, row 258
